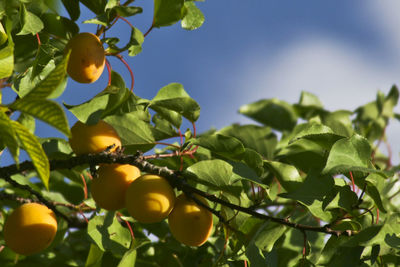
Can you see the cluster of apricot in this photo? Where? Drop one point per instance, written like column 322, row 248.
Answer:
column 32, row 227
column 148, row 198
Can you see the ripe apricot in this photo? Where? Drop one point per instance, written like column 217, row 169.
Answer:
column 87, row 58
column 95, row 138
column 190, row 223
column 30, row 228
column 150, row 198
column 108, row 189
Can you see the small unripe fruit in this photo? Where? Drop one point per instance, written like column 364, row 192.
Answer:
column 190, row 223
column 87, row 57
column 149, row 199
column 96, row 138
column 30, row 228
column 108, row 189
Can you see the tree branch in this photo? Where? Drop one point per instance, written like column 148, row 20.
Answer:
column 175, row 178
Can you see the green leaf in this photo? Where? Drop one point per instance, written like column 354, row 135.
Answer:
column 331, row 247
column 308, row 99
column 252, row 159
column 349, row 154
column 135, row 133
column 113, row 100
column 30, row 80
column 97, row 6
column 35, row 151
column 287, row 175
column 28, row 121
column 303, row 154
column 389, row 102
column 174, row 97
column 375, row 185
column 193, row 18
column 135, row 42
column 311, row 193
column 215, row 172
column 343, row 197
column 375, row 253
column 91, row 110
column 31, row 24
column 72, row 7
column 376, row 234
column 347, row 256
column 59, row 26
column 127, row 11
column 8, row 136
column 46, row 87
column 320, row 134
column 167, row 12
column 223, row 145
column 258, row 138
column 275, row 113
column 3, row 35
column 172, row 116
column 340, row 122
column 111, row 4
column 109, row 234
column 7, row 54
column 94, row 257
column 45, row 110
column 268, row 235
column 129, row 258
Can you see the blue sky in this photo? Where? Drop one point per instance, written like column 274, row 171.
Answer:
column 342, row 51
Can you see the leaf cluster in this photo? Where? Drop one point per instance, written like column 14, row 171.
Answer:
column 301, row 186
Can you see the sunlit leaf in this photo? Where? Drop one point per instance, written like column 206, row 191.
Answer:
column 31, row 145
column 45, row 110
column 193, row 18
column 31, row 24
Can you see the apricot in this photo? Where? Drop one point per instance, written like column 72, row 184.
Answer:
column 190, row 223
column 30, row 228
column 95, row 138
column 149, row 198
column 108, row 189
column 87, row 58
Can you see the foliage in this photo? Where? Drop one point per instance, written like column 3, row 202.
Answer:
column 304, row 186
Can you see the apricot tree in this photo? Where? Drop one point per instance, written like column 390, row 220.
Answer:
column 302, row 186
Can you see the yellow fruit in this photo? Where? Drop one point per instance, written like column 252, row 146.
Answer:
column 96, row 138
column 87, row 58
column 190, row 223
column 108, row 190
column 30, row 228
column 150, row 198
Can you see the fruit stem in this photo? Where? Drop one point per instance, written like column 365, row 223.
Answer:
column 352, row 182
column 377, row 216
column 38, row 40
column 304, row 244
column 127, row 224
column 194, row 129
column 109, row 72
column 84, row 217
column 124, row 19
column 85, row 191
column 129, row 69
column 149, row 30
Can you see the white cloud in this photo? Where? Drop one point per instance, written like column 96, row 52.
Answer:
column 343, row 74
